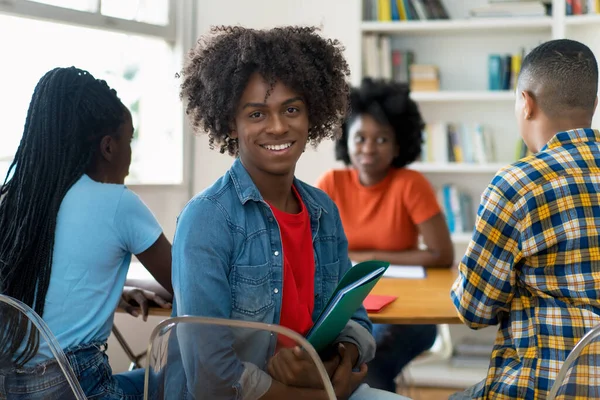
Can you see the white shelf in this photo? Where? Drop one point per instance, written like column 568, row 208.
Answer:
column 465, row 25
column 473, row 95
column 588, row 19
column 440, row 373
column 472, row 168
column 461, row 238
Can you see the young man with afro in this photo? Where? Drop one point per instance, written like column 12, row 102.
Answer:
column 259, row 244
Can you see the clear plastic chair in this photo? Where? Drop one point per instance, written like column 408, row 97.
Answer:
column 54, row 380
column 579, row 376
column 199, row 358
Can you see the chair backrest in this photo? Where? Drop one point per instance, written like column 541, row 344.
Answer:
column 204, row 358
column 16, row 378
column 579, row 376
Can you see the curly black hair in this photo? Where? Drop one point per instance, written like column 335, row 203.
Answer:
column 219, row 67
column 389, row 103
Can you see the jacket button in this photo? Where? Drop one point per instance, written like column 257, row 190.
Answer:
column 275, row 290
column 276, row 253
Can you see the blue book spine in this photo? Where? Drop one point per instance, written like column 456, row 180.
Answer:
column 395, row 11
column 495, row 72
column 448, row 208
column 409, row 15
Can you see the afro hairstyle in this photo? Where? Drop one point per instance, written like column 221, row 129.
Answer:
column 389, row 103
column 218, row 69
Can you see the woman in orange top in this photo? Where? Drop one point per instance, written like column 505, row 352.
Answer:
column 385, row 207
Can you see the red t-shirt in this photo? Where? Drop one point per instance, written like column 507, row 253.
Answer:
column 298, row 291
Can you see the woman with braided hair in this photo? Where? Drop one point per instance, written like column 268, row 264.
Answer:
column 69, row 227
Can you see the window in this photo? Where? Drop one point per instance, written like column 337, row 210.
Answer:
column 129, row 43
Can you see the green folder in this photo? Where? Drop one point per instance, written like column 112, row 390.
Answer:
column 347, row 297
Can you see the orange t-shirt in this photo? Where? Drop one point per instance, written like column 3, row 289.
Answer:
column 384, row 216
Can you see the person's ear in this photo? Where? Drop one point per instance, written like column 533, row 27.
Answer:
column 530, row 107
column 107, row 148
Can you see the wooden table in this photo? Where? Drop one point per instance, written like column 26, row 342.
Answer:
column 420, row 301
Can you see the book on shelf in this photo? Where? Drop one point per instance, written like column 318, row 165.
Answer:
column 457, row 142
column 475, row 362
column 383, row 59
column 469, row 353
column 403, row 10
column 424, row 78
column 510, row 9
column 503, row 70
column 582, row 7
column 457, row 206
column 473, row 348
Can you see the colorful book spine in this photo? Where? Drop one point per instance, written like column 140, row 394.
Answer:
column 384, row 10
column 469, row 143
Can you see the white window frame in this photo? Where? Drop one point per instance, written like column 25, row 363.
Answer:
column 180, row 32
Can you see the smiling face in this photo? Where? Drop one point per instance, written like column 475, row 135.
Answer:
column 372, row 148
column 272, row 130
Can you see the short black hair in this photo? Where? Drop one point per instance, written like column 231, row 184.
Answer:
column 389, row 103
column 219, row 67
column 562, row 74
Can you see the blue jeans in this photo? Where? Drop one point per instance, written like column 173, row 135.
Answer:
column 89, row 363
column 397, row 345
column 172, row 380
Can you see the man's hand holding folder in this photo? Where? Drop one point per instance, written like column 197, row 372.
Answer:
column 293, row 367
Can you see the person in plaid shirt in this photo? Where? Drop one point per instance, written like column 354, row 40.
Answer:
column 533, row 264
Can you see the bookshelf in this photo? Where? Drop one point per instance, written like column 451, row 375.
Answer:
column 458, row 26
column 462, row 238
column 592, row 20
column 460, row 47
column 464, row 95
column 457, row 168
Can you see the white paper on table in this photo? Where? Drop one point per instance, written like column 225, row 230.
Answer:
column 405, row 271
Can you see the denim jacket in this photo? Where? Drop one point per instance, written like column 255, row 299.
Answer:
column 228, row 263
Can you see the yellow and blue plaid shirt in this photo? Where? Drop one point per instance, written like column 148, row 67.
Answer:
column 533, row 264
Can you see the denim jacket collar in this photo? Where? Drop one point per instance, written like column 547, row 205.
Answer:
column 246, row 190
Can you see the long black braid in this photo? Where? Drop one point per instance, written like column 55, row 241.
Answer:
column 69, row 113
